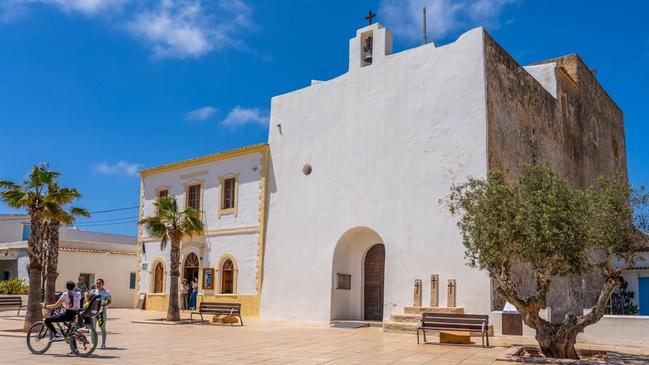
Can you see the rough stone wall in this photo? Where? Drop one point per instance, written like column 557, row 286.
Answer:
column 581, row 139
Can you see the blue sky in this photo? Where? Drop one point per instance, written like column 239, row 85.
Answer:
column 101, row 88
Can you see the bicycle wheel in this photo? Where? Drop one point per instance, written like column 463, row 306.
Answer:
column 84, row 340
column 38, row 338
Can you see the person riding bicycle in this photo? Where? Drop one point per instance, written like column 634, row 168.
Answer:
column 71, row 301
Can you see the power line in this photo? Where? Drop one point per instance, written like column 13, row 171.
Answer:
column 95, row 212
column 107, row 224
column 104, row 220
column 114, row 210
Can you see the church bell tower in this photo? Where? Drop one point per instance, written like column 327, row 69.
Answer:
column 370, row 46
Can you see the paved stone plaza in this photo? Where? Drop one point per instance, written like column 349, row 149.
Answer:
column 259, row 342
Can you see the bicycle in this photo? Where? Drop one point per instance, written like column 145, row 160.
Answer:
column 39, row 338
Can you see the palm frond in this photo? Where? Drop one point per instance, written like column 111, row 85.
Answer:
column 8, row 185
column 191, row 223
column 79, row 212
column 62, row 196
column 16, row 198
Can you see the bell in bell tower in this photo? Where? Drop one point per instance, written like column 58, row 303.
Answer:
column 370, row 46
column 366, row 42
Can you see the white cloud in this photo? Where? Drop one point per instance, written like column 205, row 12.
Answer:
column 191, row 28
column 239, row 116
column 404, row 17
column 118, row 168
column 171, row 28
column 15, row 9
column 87, row 7
column 200, row 113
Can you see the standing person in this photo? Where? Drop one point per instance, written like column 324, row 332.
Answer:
column 81, row 287
column 192, row 297
column 101, row 319
column 71, row 301
column 184, row 292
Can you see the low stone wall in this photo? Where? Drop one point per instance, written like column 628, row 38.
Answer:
column 156, row 301
column 619, row 331
column 632, row 331
column 249, row 303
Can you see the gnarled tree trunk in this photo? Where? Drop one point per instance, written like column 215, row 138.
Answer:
column 173, row 311
column 35, row 268
column 52, row 261
column 558, row 340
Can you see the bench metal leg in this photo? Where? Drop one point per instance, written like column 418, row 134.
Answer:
column 241, row 319
column 18, row 315
column 424, row 331
column 202, row 319
column 417, row 336
column 487, row 339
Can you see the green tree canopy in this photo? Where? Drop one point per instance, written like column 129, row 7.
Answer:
column 541, row 223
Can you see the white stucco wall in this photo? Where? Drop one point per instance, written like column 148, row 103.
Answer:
column 11, row 227
column 218, row 242
column 114, row 269
column 545, row 75
column 385, row 142
column 209, row 175
column 632, row 275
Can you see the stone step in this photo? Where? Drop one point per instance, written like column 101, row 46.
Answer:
column 419, row 310
column 405, row 318
column 353, row 323
column 396, row 327
column 407, row 327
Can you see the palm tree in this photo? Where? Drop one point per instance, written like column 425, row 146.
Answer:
column 55, row 213
column 31, row 196
column 171, row 225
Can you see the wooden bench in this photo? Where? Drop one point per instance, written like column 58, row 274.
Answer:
column 218, row 309
column 454, row 322
column 12, row 301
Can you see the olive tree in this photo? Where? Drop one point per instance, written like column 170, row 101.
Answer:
column 542, row 225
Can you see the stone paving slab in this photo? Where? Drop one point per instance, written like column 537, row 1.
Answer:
column 259, row 342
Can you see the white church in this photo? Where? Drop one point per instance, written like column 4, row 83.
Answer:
column 342, row 215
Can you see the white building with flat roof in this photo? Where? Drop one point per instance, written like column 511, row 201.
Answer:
column 93, row 255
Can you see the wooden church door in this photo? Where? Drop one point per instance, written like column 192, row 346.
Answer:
column 374, row 278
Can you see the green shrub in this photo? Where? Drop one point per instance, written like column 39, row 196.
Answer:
column 13, row 286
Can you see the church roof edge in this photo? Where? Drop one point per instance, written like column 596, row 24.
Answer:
column 204, row 159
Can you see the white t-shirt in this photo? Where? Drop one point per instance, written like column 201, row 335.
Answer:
column 106, row 296
column 76, row 300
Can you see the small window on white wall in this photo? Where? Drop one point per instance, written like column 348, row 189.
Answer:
column 343, row 281
column 131, row 281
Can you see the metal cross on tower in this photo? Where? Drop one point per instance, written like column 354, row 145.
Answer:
column 370, row 17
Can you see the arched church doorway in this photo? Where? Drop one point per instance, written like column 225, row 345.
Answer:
column 358, row 276
column 374, row 268
column 158, row 278
column 190, row 267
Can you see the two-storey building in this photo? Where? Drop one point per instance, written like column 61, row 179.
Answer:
column 229, row 190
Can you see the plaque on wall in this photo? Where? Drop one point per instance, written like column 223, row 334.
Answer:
column 208, row 279
column 141, row 300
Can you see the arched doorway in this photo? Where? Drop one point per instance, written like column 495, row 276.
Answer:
column 190, row 267
column 227, row 277
column 374, row 268
column 358, row 276
column 158, row 278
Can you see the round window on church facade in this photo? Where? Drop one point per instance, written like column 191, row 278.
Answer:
column 307, row 169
